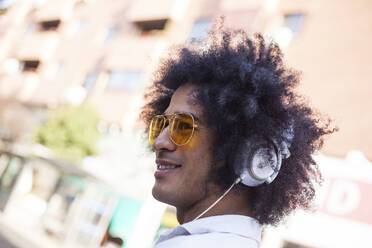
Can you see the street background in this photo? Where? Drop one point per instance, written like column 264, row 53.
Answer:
column 75, row 168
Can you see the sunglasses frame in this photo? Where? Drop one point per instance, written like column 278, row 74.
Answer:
column 168, row 118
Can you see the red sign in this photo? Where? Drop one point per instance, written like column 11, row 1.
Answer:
column 349, row 199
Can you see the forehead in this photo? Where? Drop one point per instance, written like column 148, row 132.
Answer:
column 183, row 100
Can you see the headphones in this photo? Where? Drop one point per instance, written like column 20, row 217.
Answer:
column 259, row 160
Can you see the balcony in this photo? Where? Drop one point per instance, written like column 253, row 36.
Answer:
column 149, row 15
column 55, row 10
column 39, row 46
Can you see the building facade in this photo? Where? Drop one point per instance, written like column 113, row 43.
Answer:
column 104, row 52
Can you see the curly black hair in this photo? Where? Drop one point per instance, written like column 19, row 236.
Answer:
column 245, row 89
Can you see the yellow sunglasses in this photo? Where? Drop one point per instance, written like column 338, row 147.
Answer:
column 181, row 127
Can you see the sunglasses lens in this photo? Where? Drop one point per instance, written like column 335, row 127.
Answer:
column 181, row 128
column 156, row 126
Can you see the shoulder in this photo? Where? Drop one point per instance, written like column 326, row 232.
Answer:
column 215, row 240
column 233, row 231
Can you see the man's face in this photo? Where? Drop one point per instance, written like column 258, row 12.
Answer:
column 189, row 183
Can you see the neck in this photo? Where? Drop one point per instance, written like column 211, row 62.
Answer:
column 232, row 203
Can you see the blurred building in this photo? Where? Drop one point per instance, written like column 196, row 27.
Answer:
column 40, row 196
column 103, row 52
column 329, row 41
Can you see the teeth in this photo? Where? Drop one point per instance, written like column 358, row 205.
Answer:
column 166, row 167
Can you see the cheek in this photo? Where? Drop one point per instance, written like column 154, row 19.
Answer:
column 199, row 162
column 197, row 152
column 193, row 143
column 202, row 142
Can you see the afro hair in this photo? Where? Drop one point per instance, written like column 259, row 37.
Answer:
column 245, row 89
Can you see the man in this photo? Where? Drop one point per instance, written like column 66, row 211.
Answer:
column 233, row 142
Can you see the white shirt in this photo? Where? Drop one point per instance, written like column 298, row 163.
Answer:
column 232, row 231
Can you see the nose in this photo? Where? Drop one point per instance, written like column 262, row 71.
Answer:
column 163, row 142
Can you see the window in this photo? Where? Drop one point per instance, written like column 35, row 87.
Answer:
column 293, row 22
column 290, row 28
column 4, row 4
column 123, row 80
column 90, row 81
column 110, row 34
column 151, row 25
column 200, row 30
column 50, row 25
column 4, row 159
column 151, row 17
column 30, row 65
column 8, row 179
column 293, row 245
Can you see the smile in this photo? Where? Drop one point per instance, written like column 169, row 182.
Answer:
column 164, row 164
column 167, row 167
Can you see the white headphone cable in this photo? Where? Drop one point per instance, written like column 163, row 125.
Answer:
column 238, row 180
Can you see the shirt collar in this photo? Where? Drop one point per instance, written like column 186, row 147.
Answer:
column 238, row 224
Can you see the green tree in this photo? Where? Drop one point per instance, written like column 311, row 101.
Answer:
column 70, row 132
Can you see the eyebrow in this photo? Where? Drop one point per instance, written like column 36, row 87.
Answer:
column 196, row 118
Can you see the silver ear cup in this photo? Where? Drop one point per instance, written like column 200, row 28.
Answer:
column 258, row 162
column 263, row 163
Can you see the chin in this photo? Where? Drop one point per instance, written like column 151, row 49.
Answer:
column 159, row 195
column 163, row 196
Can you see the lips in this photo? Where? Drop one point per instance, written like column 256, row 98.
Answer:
column 164, row 167
column 166, row 164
